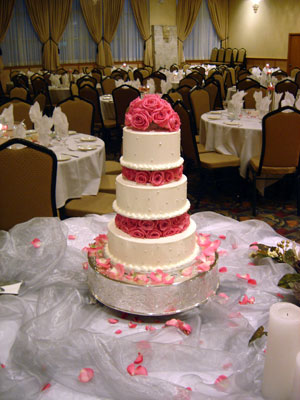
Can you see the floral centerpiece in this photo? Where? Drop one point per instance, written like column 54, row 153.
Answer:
column 152, row 113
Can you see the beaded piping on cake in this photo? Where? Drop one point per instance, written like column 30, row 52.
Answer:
column 152, row 229
column 155, row 178
column 167, row 215
column 150, row 167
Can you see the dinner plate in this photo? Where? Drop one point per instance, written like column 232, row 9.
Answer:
column 72, row 132
column 63, row 157
column 232, row 123
column 30, row 132
column 214, row 117
column 88, row 138
column 86, row 148
column 215, row 112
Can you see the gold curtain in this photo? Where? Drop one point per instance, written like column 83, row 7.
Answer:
column 111, row 15
column 186, row 14
column 92, row 13
column 49, row 19
column 141, row 15
column 6, row 9
column 218, row 10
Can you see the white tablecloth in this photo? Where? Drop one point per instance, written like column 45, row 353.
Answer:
column 107, row 107
column 243, row 140
column 81, row 175
column 50, row 331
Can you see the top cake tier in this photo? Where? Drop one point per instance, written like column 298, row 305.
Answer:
column 151, row 151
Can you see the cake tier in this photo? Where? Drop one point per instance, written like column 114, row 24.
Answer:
column 151, row 151
column 151, row 202
column 146, row 255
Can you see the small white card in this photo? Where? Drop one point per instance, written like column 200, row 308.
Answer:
column 10, row 287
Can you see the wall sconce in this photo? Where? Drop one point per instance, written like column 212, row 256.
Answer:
column 255, row 5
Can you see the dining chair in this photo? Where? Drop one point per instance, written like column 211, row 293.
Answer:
column 212, row 86
column 280, row 74
column 21, row 110
column 247, row 83
column 119, row 73
column 107, row 70
column 122, row 96
column 184, row 91
column 40, row 84
column 20, row 92
column 241, row 57
column 214, row 54
column 174, row 67
column 235, row 52
column 130, row 75
column 191, row 82
column 20, row 80
column 97, row 74
column 204, row 165
column 242, row 73
column 228, row 56
column 287, row 85
column 197, row 76
column 280, row 150
column 74, row 89
column 28, row 182
column 174, row 96
column 86, row 80
column 294, row 72
column 157, row 77
column 80, row 114
column 100, row 204
column 297, row 78
column 41, row 99
column 249, row 101
column 108, row 84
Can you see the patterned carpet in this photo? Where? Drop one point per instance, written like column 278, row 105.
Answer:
column 274, row 208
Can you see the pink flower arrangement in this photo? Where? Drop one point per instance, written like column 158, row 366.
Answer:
column 155, row 178
column 152, row 229
column 151, row 113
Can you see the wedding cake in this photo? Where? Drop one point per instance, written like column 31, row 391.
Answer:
column 152, row 240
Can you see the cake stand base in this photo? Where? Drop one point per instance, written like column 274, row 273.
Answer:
column 153, row 300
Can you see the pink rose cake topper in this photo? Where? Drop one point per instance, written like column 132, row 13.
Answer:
column 151, row 113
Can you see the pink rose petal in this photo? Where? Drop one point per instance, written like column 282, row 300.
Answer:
column 222, row 269
column 140, row 370
column 2, row 365
column 234, row 246
column 189, row 388
column 150, row 328
column 85, row 375
column 172, row 322
column 222, row 252
column 85, row 265
column 224, row 296
column 45, row 387
column 227, row 366
column 36, row 243
column 118, row 331
column 113, row 320
column 131, row 325
column 254, row 243
column 251, row 263
column 222, row 237
column 252, row 281
column 244, row 300
column 139, row 358
column 187, row 271
column 246, row 276
column 131, row 369
column 251, row 300
column 254, row 247
column 220, row 379
column 72, row 237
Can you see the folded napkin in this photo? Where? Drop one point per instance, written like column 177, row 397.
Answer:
column 35, row 114
column 256, row 72
column 55, row 80
column 44, row 130
column 264, row 106
column 288, row 100
column 65, row 80
column 237, row 100
column 60, row 121
column 20, row 131
column 276, row 99
column 258, row 98
column 151, row 85
column 119, row 82
column 8, row 115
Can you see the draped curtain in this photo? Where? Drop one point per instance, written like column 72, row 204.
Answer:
column 141, row 14
column 6, row 9
column 186, row 14
column 111, row 15
column 49, row 19
column 92, row 12
column 218, row 10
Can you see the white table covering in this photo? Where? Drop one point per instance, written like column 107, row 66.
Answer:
column 243, row 140
column 81, row 175
column 107, row 106
column 50, row 331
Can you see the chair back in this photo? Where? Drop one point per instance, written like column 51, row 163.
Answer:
column 86, row 80
column 74, row 89
column 297, row 78
column 188, row 141
column 287, row 85
column 28, row 182
column 91, row 95
column 80, row 114
column 212, row 86
column 294, row 72
column 247, row 83
column 235, row 52
column 39, row 84
column 41, row 99
column 19, row 92
column 21, row 110
column 279, row 74
column 249, row 101
column 107, row 70
column 97, row 74
column 123, row 96
column 221, row 54
column 214, row 54
column 188, row 81
column 174, row 95
column 280, row 138
column 200, row 104
column 241, row 57
column 20, row 80
column 130, row 75
column 184, row 92
column 174, row 67
column 228, row 56
column 108, row 84
column 197, row 76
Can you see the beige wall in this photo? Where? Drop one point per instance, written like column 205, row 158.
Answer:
column 264, row 34
column 163, row 12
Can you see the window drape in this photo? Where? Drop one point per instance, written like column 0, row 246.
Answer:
column 49, row 19
column 141, row 14
column 111, row 16
column 187, row 11
column 6, row 9
column 218, row 10
column 92, row 12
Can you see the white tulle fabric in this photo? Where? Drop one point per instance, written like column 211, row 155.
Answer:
column 52, row 329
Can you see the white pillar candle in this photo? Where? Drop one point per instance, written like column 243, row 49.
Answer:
column 283, row 345
column 296, row 386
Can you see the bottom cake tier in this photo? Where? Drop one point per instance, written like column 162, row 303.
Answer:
column 153, row 300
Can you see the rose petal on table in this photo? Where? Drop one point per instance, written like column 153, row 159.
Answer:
column 222, row 237
column 113, row 320
column 246, row 276
column 150, row 328
column 85, row 265
column 118, row 331
column 85, row 375
column 252, row 282
column 187, row 271
column 139, row 358
column 132, row 325
column 172, row 322
column 224, row 295
column 244, row 300
column 131, row 369
column 2, row 365
column 45, row 387
column 189, row 388
column 72, row 237
column 223, row 269
column 140, row 370
column 36, row 243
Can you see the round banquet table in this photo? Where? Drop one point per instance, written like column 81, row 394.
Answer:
column 242, row 137
column 52, row 329
column 79, row 171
